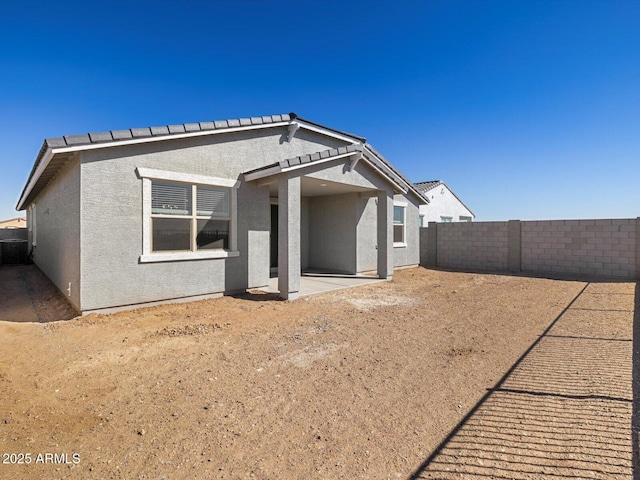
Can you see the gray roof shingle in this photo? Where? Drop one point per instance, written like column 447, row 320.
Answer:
column 119, row 135
column 426, row 186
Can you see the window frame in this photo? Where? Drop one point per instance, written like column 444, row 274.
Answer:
column 148, row 175
column 403, row 206
column 445, row 219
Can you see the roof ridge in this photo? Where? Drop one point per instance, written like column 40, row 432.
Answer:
column 427, row 181
column 156, row 131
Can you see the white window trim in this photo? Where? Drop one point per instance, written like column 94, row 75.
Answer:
column 149, row 174
column 397, row 203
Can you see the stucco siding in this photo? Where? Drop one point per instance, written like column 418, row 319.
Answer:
column 409, row 254
column 367, row 218
column 338, row 171
column 332, row 232
column 304, row 233
column 57, row 226
column 112, row 216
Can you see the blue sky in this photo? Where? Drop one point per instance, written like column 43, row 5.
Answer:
column 527, row 110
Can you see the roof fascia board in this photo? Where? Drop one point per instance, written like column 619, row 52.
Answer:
column 46, row 159
column 327, row 132
column 391, row 180
column 403, row 181
column 267, row 172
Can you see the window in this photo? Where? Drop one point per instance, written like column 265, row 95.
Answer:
column 465, row 219
column 178, row 226
column 399, row 215
column 187, row 217
column 446, row 219
column 421, row 221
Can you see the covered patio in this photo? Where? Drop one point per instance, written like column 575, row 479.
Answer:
column 331, row 212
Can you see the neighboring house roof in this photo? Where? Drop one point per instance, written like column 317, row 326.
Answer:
column 46, row 166
column 19, row 222
column 424, row 187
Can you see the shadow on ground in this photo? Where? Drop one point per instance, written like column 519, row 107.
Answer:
column 564, row 409
column 27, row 295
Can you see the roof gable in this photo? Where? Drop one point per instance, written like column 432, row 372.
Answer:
column 56, row 148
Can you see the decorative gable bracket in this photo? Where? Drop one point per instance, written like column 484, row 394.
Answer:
column 293, row 128
column 354, row 161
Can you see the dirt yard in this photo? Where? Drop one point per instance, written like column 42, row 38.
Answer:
column 392, row 380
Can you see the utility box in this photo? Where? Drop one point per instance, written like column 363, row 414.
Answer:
column 13, row 252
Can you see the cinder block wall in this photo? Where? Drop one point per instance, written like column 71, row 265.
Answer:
column 473, row 245
column 604, row 248
column 424, row 245
column 13, row 233
column 592, row 248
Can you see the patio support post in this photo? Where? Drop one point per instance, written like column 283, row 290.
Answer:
column 289, row 237
column 385, row 235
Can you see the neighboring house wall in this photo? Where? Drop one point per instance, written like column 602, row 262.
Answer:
column 443, row 203
column 14, row 223
column 112, row 209
column 57, row 224
column 607, row 248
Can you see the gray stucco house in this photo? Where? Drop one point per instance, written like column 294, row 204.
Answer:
column 130, row 217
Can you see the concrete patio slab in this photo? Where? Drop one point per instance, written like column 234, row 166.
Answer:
column 314, row 283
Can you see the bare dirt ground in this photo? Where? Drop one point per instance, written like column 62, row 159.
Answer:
column 27, row 295
column 416, row 378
